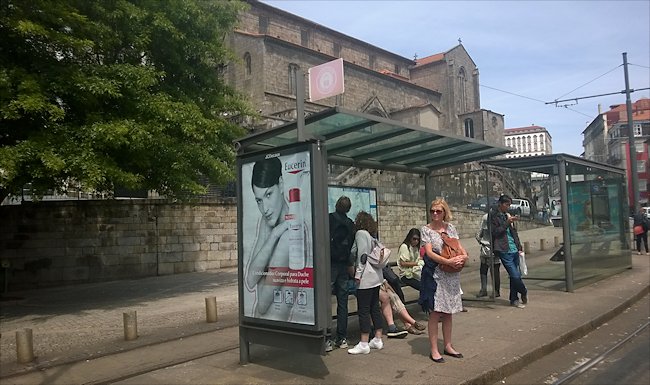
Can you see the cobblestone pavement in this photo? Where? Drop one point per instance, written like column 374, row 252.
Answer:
column 85, row 321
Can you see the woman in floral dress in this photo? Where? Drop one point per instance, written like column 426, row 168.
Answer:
column 440, row 293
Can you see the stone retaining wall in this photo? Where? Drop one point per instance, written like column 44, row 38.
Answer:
column 55, row 243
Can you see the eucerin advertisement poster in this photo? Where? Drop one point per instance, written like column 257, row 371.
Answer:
column 278, row 268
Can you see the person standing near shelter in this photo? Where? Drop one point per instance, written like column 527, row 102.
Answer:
column 342, row 266
column 440, row 292
column 488, row 261
column 641, row 230
column 369, row 278
column 506, row 245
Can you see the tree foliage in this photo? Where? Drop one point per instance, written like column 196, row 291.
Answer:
column 116, row 93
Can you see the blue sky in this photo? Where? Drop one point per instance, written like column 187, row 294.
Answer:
column 540, row 51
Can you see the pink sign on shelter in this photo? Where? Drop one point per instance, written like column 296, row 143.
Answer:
column 326, row 80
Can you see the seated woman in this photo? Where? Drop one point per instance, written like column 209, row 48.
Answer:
column 409, row 260
column 390, row 303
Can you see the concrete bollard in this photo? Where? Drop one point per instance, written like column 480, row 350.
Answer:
column 526, row 247
column 24, row 346
column 556, row 241
column 542, row 244
column 211, row 309
column 130, row 325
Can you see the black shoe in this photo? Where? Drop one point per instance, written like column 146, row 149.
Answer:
column 397, row 333
column 456, row 355
column 437, row 360
column 524, row 298
column 481, row 294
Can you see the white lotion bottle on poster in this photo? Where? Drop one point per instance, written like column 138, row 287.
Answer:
column 296, row 236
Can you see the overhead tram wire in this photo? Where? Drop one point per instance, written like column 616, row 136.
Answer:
column 594, row 96
column 533, row 99
column 512, row 93
column 591, row 81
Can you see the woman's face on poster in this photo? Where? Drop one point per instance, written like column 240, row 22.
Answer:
column 270, row 201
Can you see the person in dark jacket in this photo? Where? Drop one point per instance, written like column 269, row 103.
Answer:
column 342, row 267
column 506, row 245
column 642, row 235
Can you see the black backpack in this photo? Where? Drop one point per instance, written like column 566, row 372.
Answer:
column 341, row 237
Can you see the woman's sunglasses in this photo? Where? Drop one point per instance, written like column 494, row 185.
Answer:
column 437, row 211
column 415, row 239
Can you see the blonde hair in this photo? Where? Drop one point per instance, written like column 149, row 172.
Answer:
column 441, row 202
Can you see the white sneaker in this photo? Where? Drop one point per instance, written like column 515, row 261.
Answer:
column 358, row 349
column 517, row 304
column 329, row 345
column 376, row 343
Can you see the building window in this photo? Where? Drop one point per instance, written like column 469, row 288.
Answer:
column 293, row 74
column 638, row 129
column 248, row 65
column 397, row 69
column 469, row 128
column 462, row 93
column 263, row 25
column 304, row 38
column 371, row 61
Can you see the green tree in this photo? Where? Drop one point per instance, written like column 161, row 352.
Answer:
column 112, row 93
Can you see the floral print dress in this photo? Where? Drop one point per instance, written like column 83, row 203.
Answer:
column 447, row 297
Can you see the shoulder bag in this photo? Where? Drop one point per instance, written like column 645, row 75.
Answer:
column 450, row 249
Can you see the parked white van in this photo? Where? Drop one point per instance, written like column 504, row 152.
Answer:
column 520, row 207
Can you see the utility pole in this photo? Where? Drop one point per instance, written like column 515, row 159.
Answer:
column 634, row 176
column 633, row 182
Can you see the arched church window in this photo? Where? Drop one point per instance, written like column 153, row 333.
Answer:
column 469, row 128
column 248, row 65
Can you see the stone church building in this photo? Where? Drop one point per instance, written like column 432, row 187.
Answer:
column 438, row 92
column 62, row 242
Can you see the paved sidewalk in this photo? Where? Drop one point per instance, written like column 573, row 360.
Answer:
column 78, row 334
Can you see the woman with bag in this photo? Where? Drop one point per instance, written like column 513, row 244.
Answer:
column 440, row 292
column 409, row 261
column 641, row 230
column 371, row 258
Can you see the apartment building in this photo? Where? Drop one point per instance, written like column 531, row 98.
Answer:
column 528, row 141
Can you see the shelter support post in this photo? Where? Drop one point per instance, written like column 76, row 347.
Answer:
column 566, row 231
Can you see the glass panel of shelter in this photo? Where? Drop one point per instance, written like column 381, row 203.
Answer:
column 598, row 224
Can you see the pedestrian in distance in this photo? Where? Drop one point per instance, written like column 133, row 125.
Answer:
column 506, row 245
column 440, row 291
column 369, row 278
column 489, row 263
column 342, row 267
column 640, row 226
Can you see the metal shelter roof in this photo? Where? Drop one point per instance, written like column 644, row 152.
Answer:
column 357, row 139
column 547, row 164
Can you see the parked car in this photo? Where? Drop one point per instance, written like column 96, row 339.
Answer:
column 482, row 203
column 520, row 207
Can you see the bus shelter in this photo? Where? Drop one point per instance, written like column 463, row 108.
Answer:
column 592, row 210
column 283, row 234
